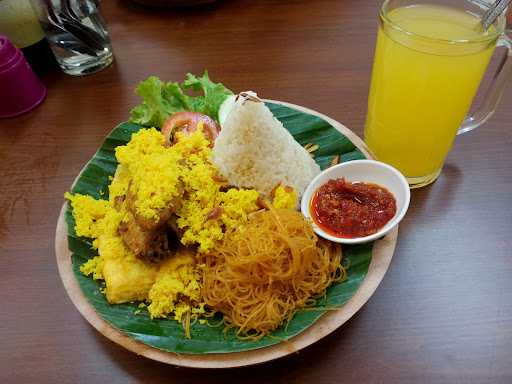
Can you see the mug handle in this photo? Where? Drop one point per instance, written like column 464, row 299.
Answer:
column 493, row 95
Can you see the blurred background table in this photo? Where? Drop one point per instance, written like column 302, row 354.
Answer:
column 444, row 310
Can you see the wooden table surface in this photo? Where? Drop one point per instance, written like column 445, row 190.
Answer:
column 444, row 310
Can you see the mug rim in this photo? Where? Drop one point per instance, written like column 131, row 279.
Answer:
column 499, row 23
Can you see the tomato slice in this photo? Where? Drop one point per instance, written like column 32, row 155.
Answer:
column 187, row 122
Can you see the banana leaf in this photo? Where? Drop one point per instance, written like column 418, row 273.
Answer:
column 167, row 334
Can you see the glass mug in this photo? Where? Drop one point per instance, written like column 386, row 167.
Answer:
column 429, row 60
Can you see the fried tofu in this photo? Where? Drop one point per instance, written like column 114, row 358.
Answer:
column 128, row 279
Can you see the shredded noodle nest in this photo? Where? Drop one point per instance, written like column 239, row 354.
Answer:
column 261, row 274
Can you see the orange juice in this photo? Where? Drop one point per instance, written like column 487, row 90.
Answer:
column 423, row 83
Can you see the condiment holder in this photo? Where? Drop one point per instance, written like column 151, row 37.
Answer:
column 368, row 171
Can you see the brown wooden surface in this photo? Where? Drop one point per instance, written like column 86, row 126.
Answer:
column 444, row 310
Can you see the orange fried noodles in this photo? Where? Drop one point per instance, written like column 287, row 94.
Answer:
column 262, row 273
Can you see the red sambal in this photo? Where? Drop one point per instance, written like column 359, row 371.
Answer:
column 345, row 209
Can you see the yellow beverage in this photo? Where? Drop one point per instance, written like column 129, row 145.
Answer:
column 423, row 83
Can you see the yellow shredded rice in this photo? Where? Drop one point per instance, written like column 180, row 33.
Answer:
column 156, row 173
column 285, row 198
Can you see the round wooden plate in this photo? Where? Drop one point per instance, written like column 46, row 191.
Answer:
column 381, row 258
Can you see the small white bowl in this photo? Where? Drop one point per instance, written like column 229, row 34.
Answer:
column 369, row 171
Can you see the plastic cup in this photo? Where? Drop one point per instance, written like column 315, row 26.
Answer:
column 20, row 89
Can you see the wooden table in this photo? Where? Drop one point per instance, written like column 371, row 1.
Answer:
column 444, row 310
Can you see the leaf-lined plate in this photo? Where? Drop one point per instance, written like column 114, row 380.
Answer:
column 163, row 339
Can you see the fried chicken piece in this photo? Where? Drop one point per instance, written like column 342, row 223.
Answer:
column 136, row 238
column 154, row 246
column 162, row 246
column 164, row 214
column 151, row 240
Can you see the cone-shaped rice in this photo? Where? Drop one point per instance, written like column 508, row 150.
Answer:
column 254, row 150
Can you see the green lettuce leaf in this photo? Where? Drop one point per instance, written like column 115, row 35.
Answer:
column 160, row 99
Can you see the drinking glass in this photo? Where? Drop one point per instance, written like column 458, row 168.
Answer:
column 76, row 33
column 429, row 61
